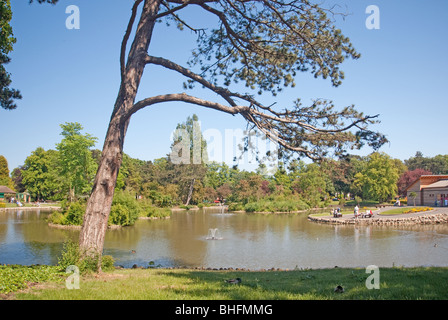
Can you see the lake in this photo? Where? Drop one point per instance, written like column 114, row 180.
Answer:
column 252, row 241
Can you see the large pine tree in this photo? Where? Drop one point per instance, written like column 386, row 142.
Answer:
column 262, row 44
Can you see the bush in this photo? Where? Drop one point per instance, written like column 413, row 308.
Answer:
column 72, row 255
column 236, row 206
column 252, row 207
column 157, row 212
column 119, row 215
column 276, row 204
column 57, row 217
column 125, row 209
column 107, row 263
column 2, row 205
column 72, row 214
column 75, row 213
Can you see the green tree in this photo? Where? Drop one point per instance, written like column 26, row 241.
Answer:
column 5, row 179
column 437, row 164
column 262, row 44
column 40, row 174
column 75, row 159
column 188, row 159
column 312, row 184
column 378, row 180
column 17, row 179
column 217, row 175
column 7, row 94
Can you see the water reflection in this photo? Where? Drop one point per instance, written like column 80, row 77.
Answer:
column 252, row 241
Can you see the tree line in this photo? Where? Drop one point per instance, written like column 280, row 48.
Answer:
column 67, row 173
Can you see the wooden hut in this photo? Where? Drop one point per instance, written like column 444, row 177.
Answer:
column 430, row 190
column 4, row 192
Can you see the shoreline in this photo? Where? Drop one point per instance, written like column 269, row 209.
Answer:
column 111, row 227
column 31, row 208
column 435, row 216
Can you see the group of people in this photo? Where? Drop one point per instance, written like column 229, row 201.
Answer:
column 336, row 212
column 13, row 200
column 367, row 214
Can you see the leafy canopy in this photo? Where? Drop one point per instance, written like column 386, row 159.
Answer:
column 75, row 157
column 7, row 94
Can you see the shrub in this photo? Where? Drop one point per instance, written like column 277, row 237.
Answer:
column 252, row 207
column 75, row 213
column 276, row 204
column 72, row 214
column 57, row 217
column 119, row 215
column 157, row 212
column 125, row 209
column 2, row 205
column 72, row 255
column 236, row 206
column 107, row 263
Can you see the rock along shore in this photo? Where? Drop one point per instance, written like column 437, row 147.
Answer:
column 430, row 217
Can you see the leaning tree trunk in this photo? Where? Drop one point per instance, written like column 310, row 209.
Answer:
column 93, row 231
column 94, row 227
column 190, row 192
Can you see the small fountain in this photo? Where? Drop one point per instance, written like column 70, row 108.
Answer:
column 214, row 234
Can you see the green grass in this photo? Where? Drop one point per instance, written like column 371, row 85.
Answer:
column 394, row 211
column 310, row 284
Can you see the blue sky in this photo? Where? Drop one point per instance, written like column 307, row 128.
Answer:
column 73, row 76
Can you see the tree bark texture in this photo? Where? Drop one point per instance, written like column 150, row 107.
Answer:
column 91, row 239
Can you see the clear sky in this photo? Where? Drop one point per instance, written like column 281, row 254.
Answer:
column 73, row 76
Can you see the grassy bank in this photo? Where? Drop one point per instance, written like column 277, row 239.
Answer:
column 186, row 284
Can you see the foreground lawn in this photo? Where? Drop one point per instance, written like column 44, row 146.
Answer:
column 185, row 284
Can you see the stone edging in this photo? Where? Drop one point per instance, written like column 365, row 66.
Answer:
column 421, row 219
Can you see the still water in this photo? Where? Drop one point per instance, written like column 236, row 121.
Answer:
column 253, row 241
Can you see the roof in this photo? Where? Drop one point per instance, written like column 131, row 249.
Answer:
column 439, row 184
column 427, row 180
column 4, row 189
